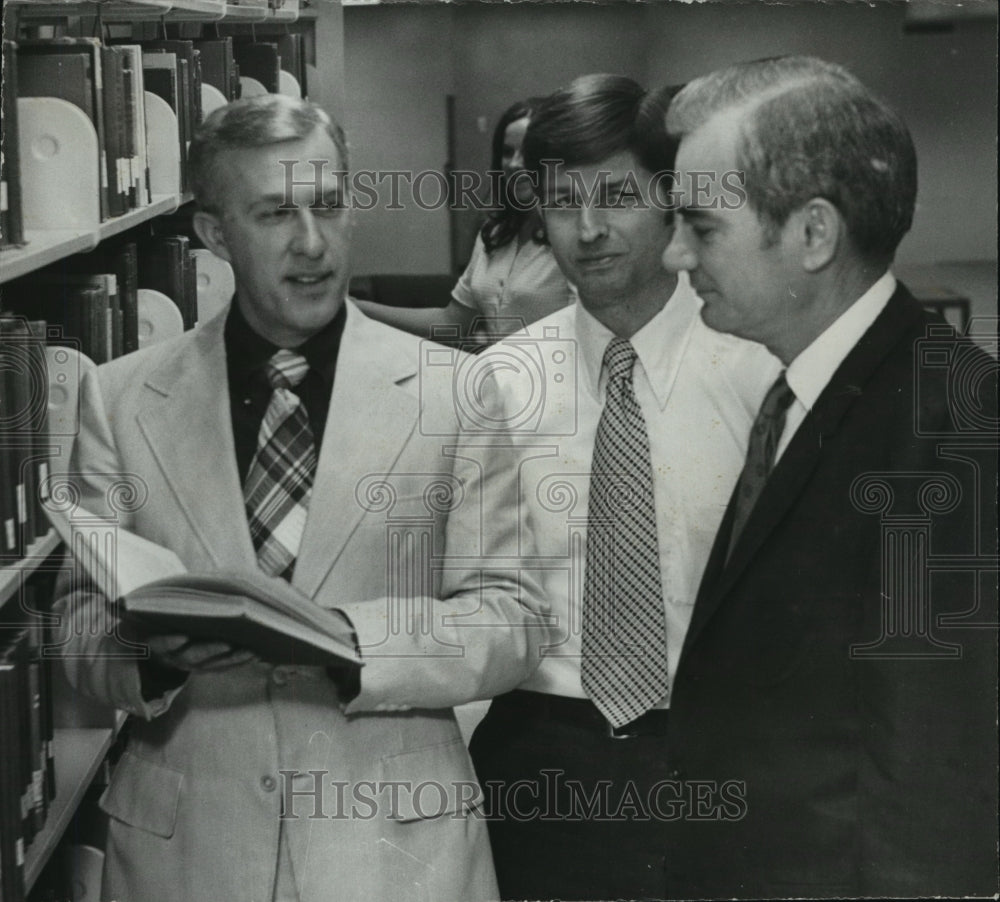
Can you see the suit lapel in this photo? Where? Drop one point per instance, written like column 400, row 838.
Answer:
column 372, row 414
column 897, row 321
column 187, row 423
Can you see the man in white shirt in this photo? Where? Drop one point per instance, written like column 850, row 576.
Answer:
column 840, row 662
column 632, row 417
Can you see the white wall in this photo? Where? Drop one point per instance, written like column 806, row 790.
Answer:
column 402, row 59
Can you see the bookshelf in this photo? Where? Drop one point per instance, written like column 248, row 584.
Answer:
column 12, row 576
column 61, row 168
column 79, row 752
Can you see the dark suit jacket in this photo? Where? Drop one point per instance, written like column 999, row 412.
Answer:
column 845, row 730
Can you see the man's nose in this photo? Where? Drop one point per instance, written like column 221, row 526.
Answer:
column 678, row 254
column 308, row 239
column 592, row 224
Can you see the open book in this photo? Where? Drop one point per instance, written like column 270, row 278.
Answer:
column 246, row 609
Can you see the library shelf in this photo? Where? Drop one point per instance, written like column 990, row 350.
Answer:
column 79, row 752
column 12, row 575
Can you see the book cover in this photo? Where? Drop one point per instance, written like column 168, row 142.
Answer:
column 9, row 549
column 39, row 427
column 217, row 64
column 136, row 103
column 11, row 211
column 11, row 829
column 15, row 364
column 69, row 68
column 291, row 52
column 114, row 124
column 161, row 75
column 259, row 60
column 162, row 267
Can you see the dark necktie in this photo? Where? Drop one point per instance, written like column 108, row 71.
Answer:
column 281, row 473
column 764, row 438
column 624, row 665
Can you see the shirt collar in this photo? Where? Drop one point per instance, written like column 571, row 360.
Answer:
column 659, row 344
column 247, row 351
column 810, row 372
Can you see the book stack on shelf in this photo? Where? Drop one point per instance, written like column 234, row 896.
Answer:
column 27, row 752
column 107, row 84
column 24, row 450
column 121, row 297
column 11, row 217
column 272, row 64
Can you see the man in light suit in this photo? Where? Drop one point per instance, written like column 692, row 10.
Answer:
column 247, row 781
column 841, row 658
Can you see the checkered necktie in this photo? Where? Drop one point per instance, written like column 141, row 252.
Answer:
column 281, row 473
column 624, row 667
column 763, row 445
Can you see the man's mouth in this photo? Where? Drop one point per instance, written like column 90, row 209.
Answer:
column 310, row 278
column 596, row 261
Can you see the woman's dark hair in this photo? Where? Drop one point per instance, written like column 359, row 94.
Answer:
column 505, row 221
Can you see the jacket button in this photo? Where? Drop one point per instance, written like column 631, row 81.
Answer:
column 268, row 783
column 676, row 774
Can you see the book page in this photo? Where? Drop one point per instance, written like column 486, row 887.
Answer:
column 119, row 561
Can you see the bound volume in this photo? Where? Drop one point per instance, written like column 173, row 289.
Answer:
column 246, row 609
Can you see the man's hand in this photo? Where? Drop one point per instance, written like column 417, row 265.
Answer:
column 194, row 655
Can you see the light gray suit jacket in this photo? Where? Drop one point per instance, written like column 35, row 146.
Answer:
column 413, row 532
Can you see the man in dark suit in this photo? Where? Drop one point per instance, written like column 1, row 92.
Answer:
column 840, row 664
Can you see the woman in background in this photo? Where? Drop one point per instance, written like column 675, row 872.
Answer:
column 512, row 279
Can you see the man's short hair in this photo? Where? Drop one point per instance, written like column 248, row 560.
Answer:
column 254, row 122
column 595, row 117
column 811, row 129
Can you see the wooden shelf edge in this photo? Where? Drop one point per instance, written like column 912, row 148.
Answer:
column 161, row 204
column 78, row 755
column 236, row 13
column 12, row 575
column 41, row 249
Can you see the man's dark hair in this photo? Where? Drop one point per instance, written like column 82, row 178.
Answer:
column 595, row 117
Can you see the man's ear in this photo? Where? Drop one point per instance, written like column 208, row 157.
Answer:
column 208, row 228
column 820, row 229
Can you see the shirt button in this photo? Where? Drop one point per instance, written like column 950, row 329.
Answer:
column 268, row 783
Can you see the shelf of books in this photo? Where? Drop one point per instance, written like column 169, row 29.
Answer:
column 168, row 10
column 97, row 259
column 79, row 752
column 12, row 576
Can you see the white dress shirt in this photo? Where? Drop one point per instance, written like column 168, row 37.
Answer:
column 699, row 391
column 810, row 372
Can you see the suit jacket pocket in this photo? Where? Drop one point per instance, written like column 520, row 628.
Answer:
column 144, row 795
column 433, row 781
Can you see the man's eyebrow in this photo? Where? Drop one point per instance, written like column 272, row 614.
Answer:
column 268, row 199
column 689, row 212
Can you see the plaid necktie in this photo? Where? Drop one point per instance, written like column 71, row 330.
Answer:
column 281, row 473
column 624, row 667
column 763, row 445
